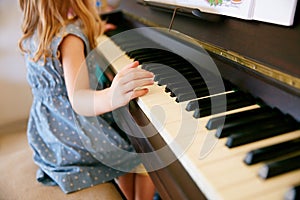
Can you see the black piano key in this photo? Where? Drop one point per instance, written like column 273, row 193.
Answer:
column 156, row 68
column 191, row 95
column 199, row 104
column 171, row 79
column 158, row 56
column 127, row 41
column 199, row 88
column 198, row 93
column 175, row 75
column 141, row 53
column 193, row 82
column 272, row 151
column 165, row 75
column 184, row 71
column 231, row 99
column 155, row 59
column 138, row 52
column 162, row 59
column 193, row 105
column 293, row 193
column 182, row 81
column 169, row 60
column 244, row 129
column 175, row 78
column 279, row 167
column 150, row 66
column 259, row 122
column 148, row 51
column 259, row 132
column 128, row 46
column 183, row 88
column 166, row 72
column 215, row 122
column 219, row 109
column 163, row 69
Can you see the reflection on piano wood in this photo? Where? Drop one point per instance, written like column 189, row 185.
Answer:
column 255, row 154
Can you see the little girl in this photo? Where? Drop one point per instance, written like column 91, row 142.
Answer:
column 70, row 126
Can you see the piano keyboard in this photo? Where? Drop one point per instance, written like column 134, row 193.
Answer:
column 253, row 155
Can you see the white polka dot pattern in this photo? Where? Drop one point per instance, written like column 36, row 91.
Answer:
column 72, row 151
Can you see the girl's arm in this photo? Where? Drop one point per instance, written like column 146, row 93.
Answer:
column 90, row 102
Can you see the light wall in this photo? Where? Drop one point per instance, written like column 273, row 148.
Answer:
column 15, row 95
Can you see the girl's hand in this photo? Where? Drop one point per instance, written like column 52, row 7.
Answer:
column 125, row 84
column 109, row 27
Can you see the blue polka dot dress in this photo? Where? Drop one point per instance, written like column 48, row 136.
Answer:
column 72, row 151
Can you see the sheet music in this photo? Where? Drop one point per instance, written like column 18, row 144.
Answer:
column 278, row 12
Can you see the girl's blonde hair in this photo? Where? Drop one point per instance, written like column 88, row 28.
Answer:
column 47, row 17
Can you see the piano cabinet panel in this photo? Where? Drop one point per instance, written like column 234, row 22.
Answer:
column 171, row 181
column 272, row 93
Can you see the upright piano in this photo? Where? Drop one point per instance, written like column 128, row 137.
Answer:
column 222, row 119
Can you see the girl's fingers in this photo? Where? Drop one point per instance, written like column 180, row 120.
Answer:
column 136, row 93
column 131, row 75
column 129, row 83
column 109, row 27
column 127, row 68
column 139, row 93
column 137, row 84
column 132, row 65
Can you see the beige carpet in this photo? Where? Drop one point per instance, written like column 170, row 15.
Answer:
column 17, row 172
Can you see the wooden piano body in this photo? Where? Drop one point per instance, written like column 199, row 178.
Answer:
column 259, row 58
